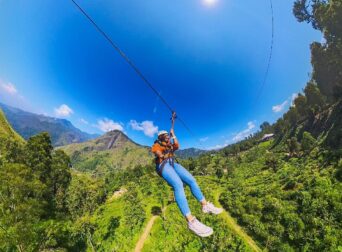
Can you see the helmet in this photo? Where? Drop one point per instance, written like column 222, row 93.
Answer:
column 162, row 132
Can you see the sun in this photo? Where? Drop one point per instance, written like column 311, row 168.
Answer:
column 210, row 2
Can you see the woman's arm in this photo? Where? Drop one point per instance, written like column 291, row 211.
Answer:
column 175, row 140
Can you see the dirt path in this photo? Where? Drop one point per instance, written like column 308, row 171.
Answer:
column 143, row 237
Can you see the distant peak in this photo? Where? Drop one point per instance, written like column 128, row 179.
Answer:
column 114, row 132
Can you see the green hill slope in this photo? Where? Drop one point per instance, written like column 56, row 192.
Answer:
column 286, row 203
column 120, row 222
column 6, row 130
column 112, row 151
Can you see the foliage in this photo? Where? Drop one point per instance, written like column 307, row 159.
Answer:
column 326, row 57
column 296, row 206
column 293, row 146
column 84, row 195
column 33, row 182
column 308, row 142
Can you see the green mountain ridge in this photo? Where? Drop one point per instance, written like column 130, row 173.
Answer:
column 27, row 124
column 189, row 152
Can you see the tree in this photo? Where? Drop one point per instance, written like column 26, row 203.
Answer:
column 14, row 150
column 236, row 149
column 135, row 213
column 327, row 62
column 300, row 103
column 292, row 116
column 293, row 146
column 326, row 58
column 60, row 178
column 84, row 194
column 21, row 207
column 219, row 172
column 265, row 127
column 279, row 127
column 156, row 210
column 38, row 156
column 313, row 96
column 308, row 142
column 271, row 161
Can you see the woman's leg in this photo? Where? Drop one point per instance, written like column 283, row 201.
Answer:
column 172, row 178
column 187, row 178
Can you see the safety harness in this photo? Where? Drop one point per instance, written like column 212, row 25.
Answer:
column 169, row 152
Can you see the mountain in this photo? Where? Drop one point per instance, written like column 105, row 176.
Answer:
column 27, row 124
column 112, row 151
column 190, row 152
column 6, row 130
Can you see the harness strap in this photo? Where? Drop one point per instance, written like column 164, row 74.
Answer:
column 169, row 150
column 171, row 161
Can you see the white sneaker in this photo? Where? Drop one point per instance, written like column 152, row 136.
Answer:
column 210, row 208
column 199, row 228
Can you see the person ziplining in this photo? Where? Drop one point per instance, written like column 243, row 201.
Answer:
column 163, row 148
column 175, row 174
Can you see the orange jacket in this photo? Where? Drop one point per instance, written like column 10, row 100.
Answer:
column 166, row 149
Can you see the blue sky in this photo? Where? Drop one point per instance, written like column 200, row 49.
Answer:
column 206, row 57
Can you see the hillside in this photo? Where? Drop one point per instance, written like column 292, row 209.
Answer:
column 286, row 193
column 6, row 131
column 27, row 124
column 112, row 151
column 285, row 203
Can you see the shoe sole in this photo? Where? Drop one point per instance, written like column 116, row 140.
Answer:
column 213, row 213
column 204, row 234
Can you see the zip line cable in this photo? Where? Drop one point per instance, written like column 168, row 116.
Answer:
column 148, row 83
column 263, row 83
column 135, row 68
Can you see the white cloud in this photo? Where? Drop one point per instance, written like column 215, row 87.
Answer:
column 236, row 137
column 106, row 125
column 10, row 95
column 147, row 127
column 84, row 121
column 63, row 111
column 280, row 107
column 9, row 88
column 244, row 133
column 218, row 146
column 204, row 139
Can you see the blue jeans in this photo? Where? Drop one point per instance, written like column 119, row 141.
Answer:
column 175, row 178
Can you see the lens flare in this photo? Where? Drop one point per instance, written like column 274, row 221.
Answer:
column 209, row 2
